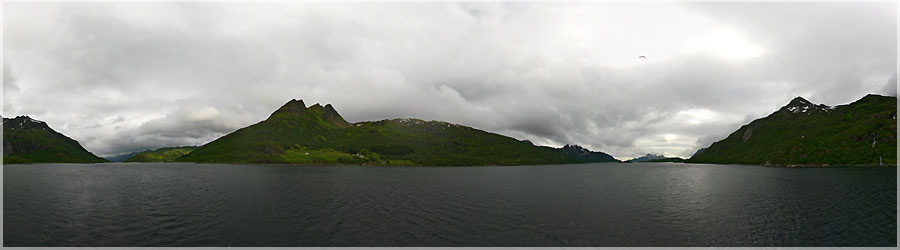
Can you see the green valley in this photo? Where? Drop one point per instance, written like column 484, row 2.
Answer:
column 162, row 154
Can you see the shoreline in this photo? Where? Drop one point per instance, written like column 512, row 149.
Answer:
column 770, row 165
column 355, row 165
column 825, row 165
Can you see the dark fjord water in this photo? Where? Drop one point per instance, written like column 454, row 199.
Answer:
column 653, row 204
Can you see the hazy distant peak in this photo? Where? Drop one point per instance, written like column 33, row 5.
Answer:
column 647, row 157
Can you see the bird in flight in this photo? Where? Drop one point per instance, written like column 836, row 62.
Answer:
column 642, row 57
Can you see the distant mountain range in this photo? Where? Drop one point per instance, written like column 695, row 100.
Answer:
column 27, row 140
column 647, row 157
column 668, row 159
column 161, row 154
column 800, row 133
column 317, row 134
column 121, row 157
column 803, row 133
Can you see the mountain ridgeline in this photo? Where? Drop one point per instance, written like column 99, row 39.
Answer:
column 799, row 134
column 161, row 154
column 27, row 140
column 647, row 157
column 584, row 155
column 802, row 133
column 296, row 134
column 121, row 157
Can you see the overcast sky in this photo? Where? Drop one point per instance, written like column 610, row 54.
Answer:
column 121, row 77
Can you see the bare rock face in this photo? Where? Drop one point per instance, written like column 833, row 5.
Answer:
column 748, row 133
column 329, row 114
column 799, row 105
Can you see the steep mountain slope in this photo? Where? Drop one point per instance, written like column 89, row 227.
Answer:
column 581, row 154
column 802, row 133
column 161, row 154
column 28, row 140
column 290, row 127
column 319, row 135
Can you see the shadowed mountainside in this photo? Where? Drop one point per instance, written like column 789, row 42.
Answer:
column 27, row 140
column 802, row 133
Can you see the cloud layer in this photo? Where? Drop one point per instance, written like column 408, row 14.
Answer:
column 120, row 77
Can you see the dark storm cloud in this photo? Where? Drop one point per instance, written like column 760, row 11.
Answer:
column 125, row 77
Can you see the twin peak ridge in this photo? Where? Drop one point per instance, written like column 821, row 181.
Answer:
column 296, row 107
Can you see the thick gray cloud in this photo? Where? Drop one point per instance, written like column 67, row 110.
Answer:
column 121, row 77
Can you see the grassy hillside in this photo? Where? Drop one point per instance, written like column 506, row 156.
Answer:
column 863, row 132
column 26, row 140
column 318, row 135
column 162, row 154
column 441, row 143
column 291, row 126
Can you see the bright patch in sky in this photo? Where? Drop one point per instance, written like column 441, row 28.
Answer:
column 204, row 114
column 670, row 137
column 724, row 42
column 697, row 116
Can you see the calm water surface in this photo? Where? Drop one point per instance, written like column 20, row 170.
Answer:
column 650, row 204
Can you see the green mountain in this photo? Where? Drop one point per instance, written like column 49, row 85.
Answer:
column 319, row 135
column 27, row 140
column 161, row 154
column 802, row 133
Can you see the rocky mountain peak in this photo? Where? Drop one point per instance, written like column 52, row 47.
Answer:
column 329, row 114
column 297, row 107
column 801, row 105
column 799, row 101
column 582, row 154
column 293, row 106
column 23, row 122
